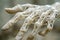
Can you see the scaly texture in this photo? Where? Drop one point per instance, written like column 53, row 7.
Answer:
column 33, row 14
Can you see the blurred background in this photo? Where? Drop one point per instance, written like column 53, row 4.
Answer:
column 5, row 17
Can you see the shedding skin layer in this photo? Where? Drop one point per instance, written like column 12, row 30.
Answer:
column 33, row 14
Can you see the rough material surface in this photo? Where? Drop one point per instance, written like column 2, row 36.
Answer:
column 41, row 17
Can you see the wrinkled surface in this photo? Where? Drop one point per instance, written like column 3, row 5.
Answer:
column 39, row 18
